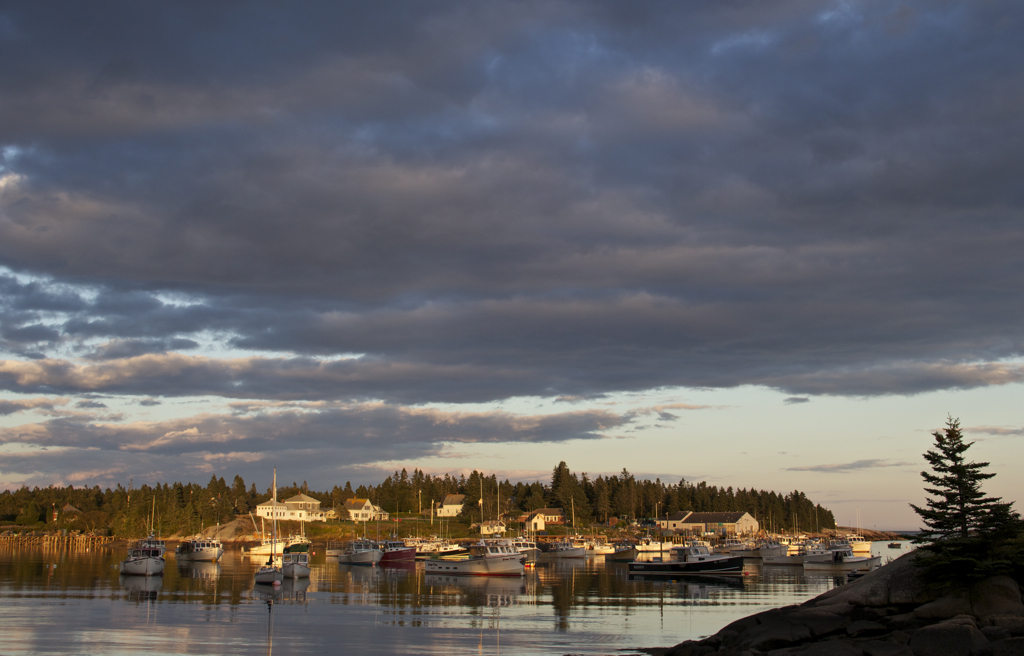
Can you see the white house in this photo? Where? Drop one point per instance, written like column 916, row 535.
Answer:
column 361, row 510
column 299, row 508
column 451, row 506
column 492, row 528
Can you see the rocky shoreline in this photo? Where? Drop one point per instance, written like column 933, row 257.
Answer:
column 888, row 612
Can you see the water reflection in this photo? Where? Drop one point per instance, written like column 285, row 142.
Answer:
column 198, row 570
column 562, row 606
column 477, row 591
column 142, row 588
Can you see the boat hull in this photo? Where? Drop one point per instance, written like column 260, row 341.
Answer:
column 783, row 560
column 729, row 566
column 268, row 574
column 510, row 565
column 846, row 565
column 572, row 552
column 369, row 557
column 200, row 554
column 144, row 566
column 295, row 571
column 623, row 555
column 405, row 555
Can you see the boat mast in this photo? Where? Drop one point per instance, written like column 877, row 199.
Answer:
column 273, row 526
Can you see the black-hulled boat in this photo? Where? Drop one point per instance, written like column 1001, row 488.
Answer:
column 690, row 559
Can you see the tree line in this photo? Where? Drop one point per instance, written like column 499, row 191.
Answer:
column 188, row 507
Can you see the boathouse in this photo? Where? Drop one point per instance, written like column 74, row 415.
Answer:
column 703, row 523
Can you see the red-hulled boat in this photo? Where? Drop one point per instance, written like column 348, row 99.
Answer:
column 395, row 551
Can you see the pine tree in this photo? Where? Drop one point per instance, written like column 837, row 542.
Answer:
column 958, row 506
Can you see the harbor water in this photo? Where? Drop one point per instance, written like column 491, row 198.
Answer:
column 59, row 601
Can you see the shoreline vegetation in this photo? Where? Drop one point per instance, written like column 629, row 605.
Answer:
column 610, row 502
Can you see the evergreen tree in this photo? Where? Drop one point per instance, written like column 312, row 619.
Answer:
column 958, row 506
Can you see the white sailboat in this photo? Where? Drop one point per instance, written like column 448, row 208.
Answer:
column 270, row 573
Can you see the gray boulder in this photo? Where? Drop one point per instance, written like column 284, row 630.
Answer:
column 1012, row 623
column 999, row 595
column 947, row 639
column 1011, row 647
column 885, row 648
column 895, row 584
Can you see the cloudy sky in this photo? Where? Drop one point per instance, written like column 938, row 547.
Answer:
column 758, row 244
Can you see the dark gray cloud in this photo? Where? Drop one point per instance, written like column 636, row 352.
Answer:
column 9, row 407
column 557, row 199
column 795, row 400
column 343, row 438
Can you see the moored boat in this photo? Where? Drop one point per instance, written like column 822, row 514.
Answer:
column 143, row 560
column 295, row 562
column 360, row 552
column 843, row 560
column 395, row 551
column 483, row 559
column 199, row 549
column 527, row 548
column 566, row 549
column 271, row 573
column 625, row 552
column 690, row 559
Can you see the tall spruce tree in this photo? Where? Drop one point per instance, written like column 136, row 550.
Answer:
column 958, row 507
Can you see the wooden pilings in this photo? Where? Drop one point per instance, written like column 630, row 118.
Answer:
column 68, row 541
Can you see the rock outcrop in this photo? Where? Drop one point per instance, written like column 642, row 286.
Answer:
column 888, row 612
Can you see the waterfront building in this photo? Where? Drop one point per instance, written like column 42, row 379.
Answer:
column 703, row 523
column 299, row 508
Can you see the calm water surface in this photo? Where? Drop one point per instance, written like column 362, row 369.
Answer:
column 75, row 602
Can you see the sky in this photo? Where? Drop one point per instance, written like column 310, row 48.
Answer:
column 769, row 245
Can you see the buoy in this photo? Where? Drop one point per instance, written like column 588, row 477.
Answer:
column 277, row 584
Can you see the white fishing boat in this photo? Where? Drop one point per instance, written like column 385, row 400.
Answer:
column 782, row 554
column 843, row 560
column 497, row 558
column 360, row 552
column 432, row 546
column 528, row 548
column 152, row 542
column 625, row 552
column 146, row 556
column 271, row 573
column 143, row 561
column 825, row 552
column 566, row 549
column 859, row 545
column 598, row 547
column 200, row 549
column 650, row 545
column 728, row 546
column 295, row 562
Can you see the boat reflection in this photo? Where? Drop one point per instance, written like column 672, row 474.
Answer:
column 694, row 587
column 478, row 590
column 290, row 590
column 142, row 588
column 208, row 571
